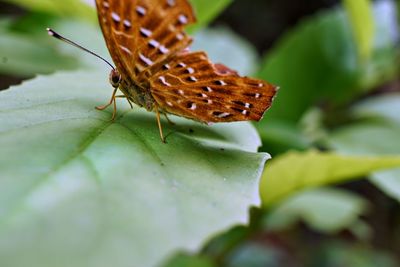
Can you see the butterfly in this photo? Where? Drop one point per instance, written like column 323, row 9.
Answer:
column 156, row 70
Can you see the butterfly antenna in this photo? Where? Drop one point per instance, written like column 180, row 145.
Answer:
column 59, row 37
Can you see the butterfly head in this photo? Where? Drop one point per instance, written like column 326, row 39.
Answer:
column 115, row 78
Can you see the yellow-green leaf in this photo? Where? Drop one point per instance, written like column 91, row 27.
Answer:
column 295, row 171
column 65, row 8
column 363, row 24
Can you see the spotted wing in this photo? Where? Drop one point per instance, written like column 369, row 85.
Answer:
column 193, row 87
column 141, row 33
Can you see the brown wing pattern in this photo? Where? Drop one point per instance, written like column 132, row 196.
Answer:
column 193, row 87
column 141, row 33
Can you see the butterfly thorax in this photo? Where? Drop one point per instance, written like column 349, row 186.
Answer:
column 138, row 94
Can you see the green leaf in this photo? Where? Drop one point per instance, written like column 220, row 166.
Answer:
column 366, row 138
column 317, row 61
column 324, row 209
column 377, row 134
column 388, row 182
column 79, row 190
column 350, row 254
column 384, row 108
column 294, row 171
column 65, row 8
column 361, row 17
column 206, row 11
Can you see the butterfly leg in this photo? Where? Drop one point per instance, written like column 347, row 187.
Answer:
column 159, row 124
column 109, row 103
column 127, row 99
column 130, row 103
column 169, row 121
column 112, row 101
column 115, row 110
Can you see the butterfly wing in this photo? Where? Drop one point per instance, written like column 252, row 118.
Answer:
column 148, row 44
column 141, row 33
column 190, row 85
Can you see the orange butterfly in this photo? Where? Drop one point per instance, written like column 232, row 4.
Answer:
column 155, row 69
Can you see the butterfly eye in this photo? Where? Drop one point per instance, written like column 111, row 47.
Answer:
column 115, row 78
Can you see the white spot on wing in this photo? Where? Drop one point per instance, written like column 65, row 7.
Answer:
column 163, row 81
column 145, row 59
column 220, row 82
column 145, row 32
column 115, row 17
column 154, row 43
column 141, row 10
column 192, row 79
column 182, row 19
column 127, row 23
column 125, row 49
column 223, row 115
column 163, row 49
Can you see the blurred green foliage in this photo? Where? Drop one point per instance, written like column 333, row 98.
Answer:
column 335, row 121
column 206, row 11
column 318, row 61
column 363, row 23
column 324, row 209
column 65, row 8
